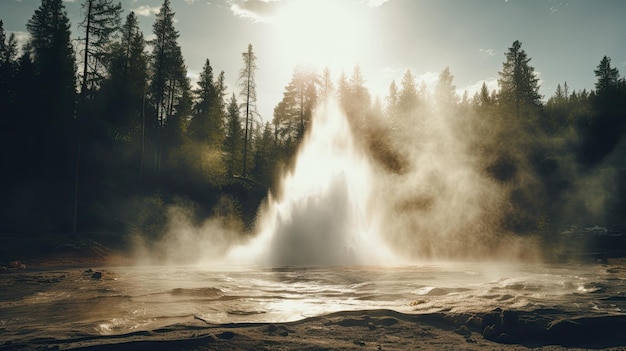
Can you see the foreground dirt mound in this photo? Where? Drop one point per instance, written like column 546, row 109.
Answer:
column 357, row 330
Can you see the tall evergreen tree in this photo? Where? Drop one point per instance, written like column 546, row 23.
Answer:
column 220, row 91
column 169, row 85
column 292, row 115
column 264, row 156
column 445, row 91
column 326, row 85
column 200, row 125
column 207, row 123
column 127, row 83
column 54, row 59
column 55, row 71
column 392, row 100
column 607, row 78
column 483, row 98
column 603, row 132
column 248, row 92
column 408, row 98
column 8, row 70
column 233, row 139
column 519, row 85
column 354, row 96
column 101, row 22
column 13, row 128
column 303, row 93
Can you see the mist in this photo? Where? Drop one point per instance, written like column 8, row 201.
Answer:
column 188, row 239
column 428, row 184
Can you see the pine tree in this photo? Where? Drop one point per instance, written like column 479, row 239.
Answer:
column 326, row 85
column 248, row 92
column 357, row 89
column 392, row 100
column 201, row 124
column 207, row 123
column 354, row 97
column 483, row 98
column 54, row 59
column 293, row 114
column 608, row 78
column 264, row 156
column 127, row 82
column 8, row 70
column 233, row 139
column 13, row 127
column 519, row 85
column 445, row 91
column 54, row 68
column 303, row 88
column 101, row 22
column 408, row 98
column 604, row 131
column 170, row 89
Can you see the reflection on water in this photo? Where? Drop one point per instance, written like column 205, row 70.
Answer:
column 70, row 303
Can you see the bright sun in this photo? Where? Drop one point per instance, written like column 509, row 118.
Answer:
column 322, row 33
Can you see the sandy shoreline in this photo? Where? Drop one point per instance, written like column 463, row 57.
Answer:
column 355, row 330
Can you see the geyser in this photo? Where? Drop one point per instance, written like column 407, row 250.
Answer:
column 323, row 215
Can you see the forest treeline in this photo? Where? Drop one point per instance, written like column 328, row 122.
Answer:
column 104, row 136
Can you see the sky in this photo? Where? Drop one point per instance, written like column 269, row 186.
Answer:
column 565, row 39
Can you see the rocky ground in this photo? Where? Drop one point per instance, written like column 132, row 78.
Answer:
column 362, row 330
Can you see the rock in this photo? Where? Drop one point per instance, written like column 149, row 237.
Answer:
column 463, row 330
column 96, row 275
column 491, row 319
column 280, row 330
column 227, row 335
column 505, row 338
column 510, row 321
column 388, row 321
column 501, row 326
column 490, row 332
column 473, row 321
column 359, row 343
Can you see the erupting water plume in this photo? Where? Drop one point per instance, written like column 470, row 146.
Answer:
column 323, row 216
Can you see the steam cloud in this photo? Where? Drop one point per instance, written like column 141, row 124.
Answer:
column 428, row 184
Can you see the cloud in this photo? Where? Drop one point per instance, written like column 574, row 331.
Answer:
column 538, row 76
column 257, row 10
column 191, row 2
column 193, row 76
column 487, row 52
column 146, row 10
column 473, row 88
column 21, row 38
column 375, row 3
column 556, row 5
column 429, row 79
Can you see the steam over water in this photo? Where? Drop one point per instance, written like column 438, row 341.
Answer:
column 340, row 205
column 324, row 214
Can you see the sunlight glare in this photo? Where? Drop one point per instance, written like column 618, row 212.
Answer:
column 322, row 33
